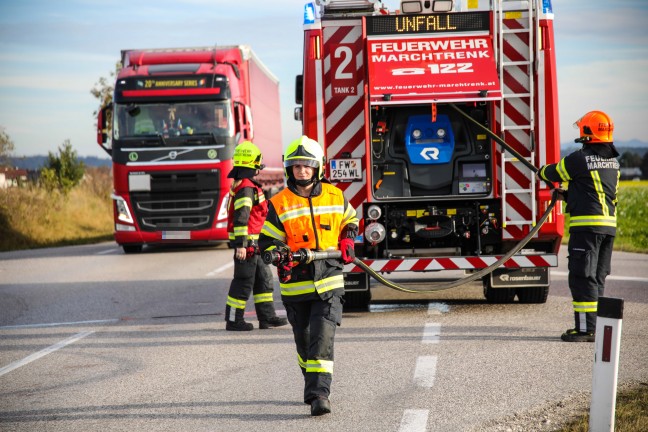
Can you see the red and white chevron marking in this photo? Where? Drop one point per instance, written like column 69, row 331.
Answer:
column 345, row 115
column 454, row 263
column 517, row 111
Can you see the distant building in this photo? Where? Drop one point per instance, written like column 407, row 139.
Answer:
column 631, row 173
column 11, row 177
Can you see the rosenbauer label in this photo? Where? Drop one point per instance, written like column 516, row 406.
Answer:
column 437, row 67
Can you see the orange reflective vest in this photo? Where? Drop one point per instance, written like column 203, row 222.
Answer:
column 314, row 223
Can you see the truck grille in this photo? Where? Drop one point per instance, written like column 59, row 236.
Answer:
column 178, row 201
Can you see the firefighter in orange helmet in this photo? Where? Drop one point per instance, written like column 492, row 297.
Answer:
column 592, row 174
column 313, row 214
column 247, row 209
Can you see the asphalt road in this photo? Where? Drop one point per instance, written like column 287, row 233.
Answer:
column 95, row 340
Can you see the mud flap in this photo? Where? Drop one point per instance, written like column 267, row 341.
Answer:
column 357, row 294
column 519, row 278
column 354, row 282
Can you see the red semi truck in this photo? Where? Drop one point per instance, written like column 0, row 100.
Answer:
column 177, row 115
column 384, row 91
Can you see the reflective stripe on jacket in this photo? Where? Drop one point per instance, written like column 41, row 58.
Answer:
column 246, row 212
column 592, row 192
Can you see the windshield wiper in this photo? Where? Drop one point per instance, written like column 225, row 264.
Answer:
column 148, row 139
column 199, row 135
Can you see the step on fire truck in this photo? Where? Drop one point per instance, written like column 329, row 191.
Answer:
column 177, row 115
column 406, row 104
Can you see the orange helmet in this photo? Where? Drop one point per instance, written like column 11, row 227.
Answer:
column 595, row 127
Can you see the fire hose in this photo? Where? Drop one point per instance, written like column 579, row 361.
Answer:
column 282, row 253
column 305, row 256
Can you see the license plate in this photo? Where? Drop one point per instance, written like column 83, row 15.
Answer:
column 176, row 235
column 345, row 169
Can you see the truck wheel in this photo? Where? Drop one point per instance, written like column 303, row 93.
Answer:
column 497, row 295
column 533, row 294
column 132, row 249
column 357, row 300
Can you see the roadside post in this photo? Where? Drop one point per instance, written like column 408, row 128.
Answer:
column 606, row 364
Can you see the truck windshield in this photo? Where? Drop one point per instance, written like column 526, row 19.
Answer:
column 173, row 120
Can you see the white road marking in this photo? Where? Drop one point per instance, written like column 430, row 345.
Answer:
column 220, row 269
column 610, row 277
column 42, row 353
column 414, row 420
column 59, row 324
column 107, row 251
column 431, row 333
column 425, row 371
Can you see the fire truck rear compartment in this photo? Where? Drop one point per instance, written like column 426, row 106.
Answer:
column 418, row 154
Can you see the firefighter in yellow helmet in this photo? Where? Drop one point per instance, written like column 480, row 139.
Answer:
column 592, row 174
column 311, row 213
column 246, row 213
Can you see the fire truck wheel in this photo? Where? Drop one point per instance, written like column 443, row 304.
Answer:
column 132, row 249
column 534, row 294
column 497, row 295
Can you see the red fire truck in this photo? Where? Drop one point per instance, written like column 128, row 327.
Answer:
column 177, row 115
column 408, row 105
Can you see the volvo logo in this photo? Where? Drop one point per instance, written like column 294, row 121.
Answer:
column 173, row 154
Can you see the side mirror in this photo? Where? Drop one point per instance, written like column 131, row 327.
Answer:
column 103, row 129
column 299, row 89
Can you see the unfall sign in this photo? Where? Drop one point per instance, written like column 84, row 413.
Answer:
column 433, row 68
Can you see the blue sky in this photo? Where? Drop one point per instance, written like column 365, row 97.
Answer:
column 53, row 52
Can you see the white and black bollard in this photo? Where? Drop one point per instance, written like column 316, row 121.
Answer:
column 606, row 364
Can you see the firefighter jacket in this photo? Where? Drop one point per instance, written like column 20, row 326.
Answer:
column 316, row 223
column 592, row 191
column 246, row 211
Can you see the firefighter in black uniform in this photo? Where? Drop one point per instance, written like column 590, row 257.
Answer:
column 247, row 209
column 592, row 174
column 311, row 214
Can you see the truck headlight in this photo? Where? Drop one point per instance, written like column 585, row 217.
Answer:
column 123, row 213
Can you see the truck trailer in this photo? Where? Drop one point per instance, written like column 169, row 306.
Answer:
column 174, row 121
column 408, row 106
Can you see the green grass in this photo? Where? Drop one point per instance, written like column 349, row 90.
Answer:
column 632, row 218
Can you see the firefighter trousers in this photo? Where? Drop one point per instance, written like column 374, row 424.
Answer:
column 314, row 323
column 250, row 276
column 589, row 263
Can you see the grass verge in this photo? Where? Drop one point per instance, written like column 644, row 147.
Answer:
column 31, row 217
column 631, row 413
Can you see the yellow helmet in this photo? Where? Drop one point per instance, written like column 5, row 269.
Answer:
column 248, row 155
column 595, row 127
column 304, row 151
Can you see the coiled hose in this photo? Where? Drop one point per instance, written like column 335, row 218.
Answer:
column 471, row 277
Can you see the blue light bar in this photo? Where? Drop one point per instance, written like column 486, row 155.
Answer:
column 309, row 13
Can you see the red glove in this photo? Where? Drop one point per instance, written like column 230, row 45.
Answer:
column 346, row 246
column 284, row 271
column 250, row 251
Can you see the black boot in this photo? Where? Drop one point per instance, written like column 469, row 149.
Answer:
column 238, row 326
column 234, row 320
column 275, row 321
column 320, row 406
column 265, row 310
